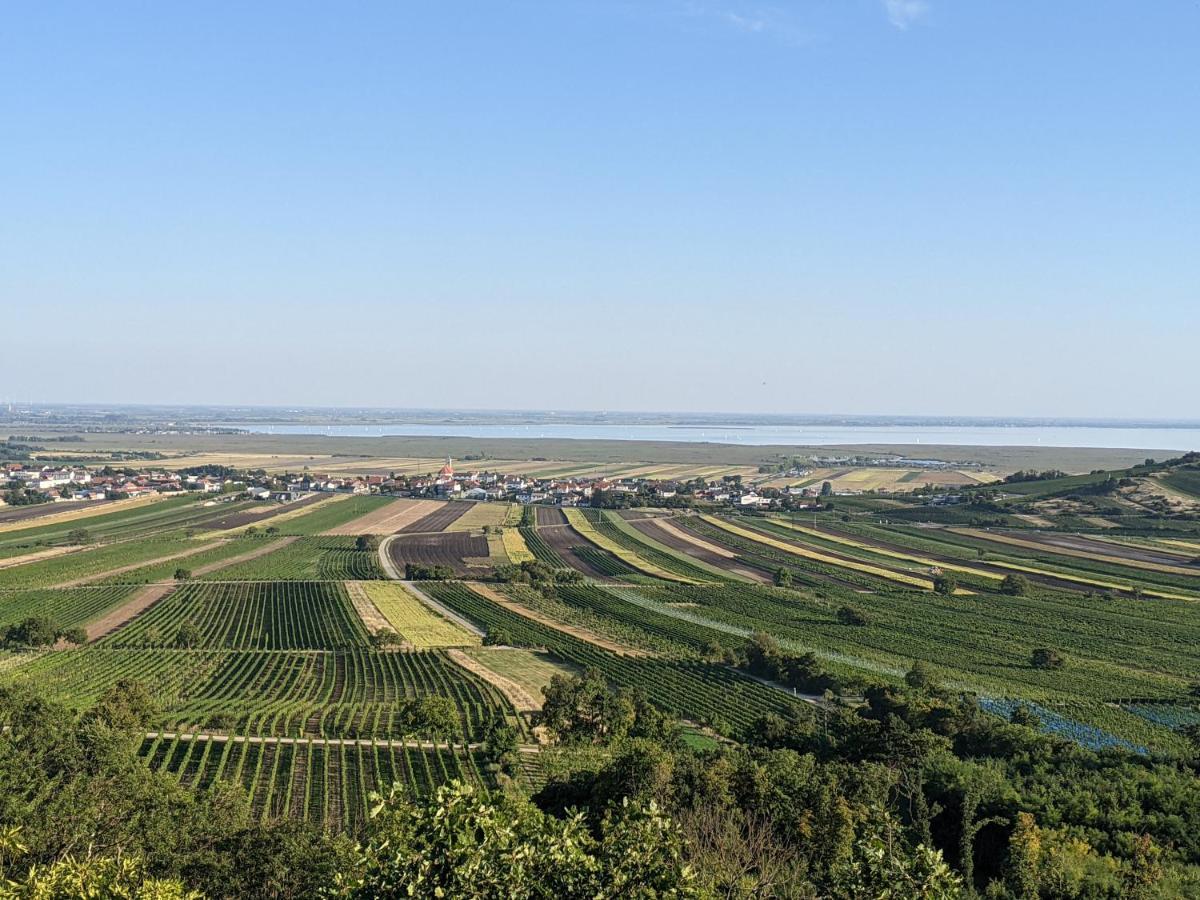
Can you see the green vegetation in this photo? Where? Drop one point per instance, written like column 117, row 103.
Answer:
column 251, row 616
column 308, row 559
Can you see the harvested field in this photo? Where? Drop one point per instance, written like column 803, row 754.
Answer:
column 479, row 514
column 368, row 612
column 137, row 604
column 462, row 551
column 516, row 693
column 549, row 515
column 388, row 519
column 531, row 670
column 269, row 513
column 515, row 547
column 665, row 532
column 437, row 520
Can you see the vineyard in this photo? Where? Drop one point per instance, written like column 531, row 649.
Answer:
column 699, row 691
column 249, row 616
column 326, row 784
column 68, row 607
column 346, row 694
column 308, row 559
column 266, row 672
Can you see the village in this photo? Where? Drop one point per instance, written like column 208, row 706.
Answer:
column 24, row 485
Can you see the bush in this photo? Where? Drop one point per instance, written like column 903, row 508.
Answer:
column 1015, row 585
column 849, row 615
column 945, row 584
column 1045, row 658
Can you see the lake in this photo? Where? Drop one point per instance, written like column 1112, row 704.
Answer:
column 1151, row 438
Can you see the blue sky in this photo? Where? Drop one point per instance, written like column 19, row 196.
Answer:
column 943, row 207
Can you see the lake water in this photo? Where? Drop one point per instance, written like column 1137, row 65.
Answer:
column 1179, row 439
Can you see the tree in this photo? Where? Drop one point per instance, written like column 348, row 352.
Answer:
column 433, row 714
column 125, row 877
column 1015, row 585
column 782, row 577
column 882, row 866
column 77, row 635
column 385, row 637
column 919, row 676
column 827, row 489
column 459, row 843
column 945, row 584
column 33, row 631
column 581, row 709
column 366, row 542
column 188, row 636
column 79, row 536
column 849, row 615
column 498, row 636
column 1045, row 658
column 1025, row 857
column 182, row 574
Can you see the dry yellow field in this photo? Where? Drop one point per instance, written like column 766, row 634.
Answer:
column 480, row 514
column 580, row 523
column 269, row 461
column 415, row 622
column 389, row 518
column 817, row 556
column 515, row 548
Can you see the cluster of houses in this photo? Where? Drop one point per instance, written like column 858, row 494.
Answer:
column 79, row 483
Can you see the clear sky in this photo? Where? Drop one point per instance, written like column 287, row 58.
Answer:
column 867, row 206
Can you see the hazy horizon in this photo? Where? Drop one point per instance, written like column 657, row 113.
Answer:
column 854, row 208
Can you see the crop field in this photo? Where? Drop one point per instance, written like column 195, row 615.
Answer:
column 52, row 515
column 265, row 672
column 387, row 518
column 250, row 616
column 333, row 694
column 439, row 519
column 646, row 544
column 480, row 513
column 817, row 556
column 605, row 540
column 415, row 622
column 515, row 547
column 461, row 551
column 325, row 517
column 306, row 559
column 325, row 784
column 531, row 669
column 1184, row 481
column 711, row 554
column 267, row 514
column 68, row 607
column 142, row 520
column 98, row 563
column 701, row 692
